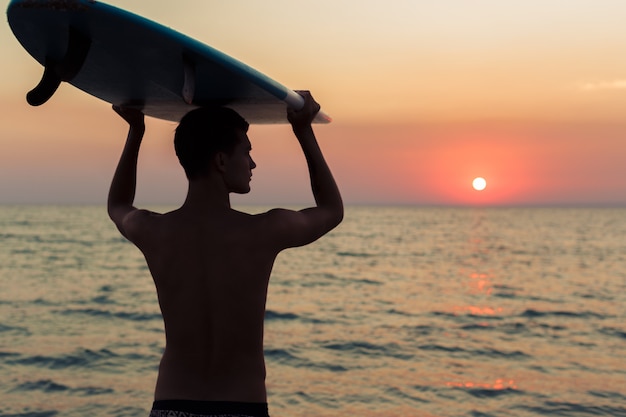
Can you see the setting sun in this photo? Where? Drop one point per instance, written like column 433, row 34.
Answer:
column 479, row 183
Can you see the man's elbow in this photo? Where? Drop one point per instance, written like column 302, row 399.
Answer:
column 340, row 213
column 117, row 215
column 336, row 217
column 113, row 212
column 110, row 211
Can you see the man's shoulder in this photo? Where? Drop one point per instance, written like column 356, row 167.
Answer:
column 290, row 228
column 275, row 215
column 286, row 228
column 139, row 223
column 263, row 224
column 141, row 215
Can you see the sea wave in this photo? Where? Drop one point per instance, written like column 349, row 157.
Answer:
column 398, row 312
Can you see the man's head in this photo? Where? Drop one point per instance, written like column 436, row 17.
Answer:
column 205, row 132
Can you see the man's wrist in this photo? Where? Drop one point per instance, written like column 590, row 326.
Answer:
column 303, row 129
column 138, row 128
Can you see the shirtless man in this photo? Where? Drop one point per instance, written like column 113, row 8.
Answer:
column 211, row 264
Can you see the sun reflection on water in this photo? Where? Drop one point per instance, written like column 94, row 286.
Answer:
column 480, row 310
column 477, row 271
column 497, row 385
column 477, row 288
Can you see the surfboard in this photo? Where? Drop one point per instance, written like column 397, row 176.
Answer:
column 128, row 60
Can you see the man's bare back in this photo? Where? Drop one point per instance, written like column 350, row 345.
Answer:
column 211, row 264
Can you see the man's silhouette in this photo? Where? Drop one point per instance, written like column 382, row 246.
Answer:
column 211, row 264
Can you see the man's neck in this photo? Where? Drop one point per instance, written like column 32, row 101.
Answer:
column 207, row 194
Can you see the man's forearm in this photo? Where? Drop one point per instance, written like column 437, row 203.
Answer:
column 323, row 185
column 122, row 191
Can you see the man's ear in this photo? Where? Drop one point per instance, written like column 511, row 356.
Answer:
column 220, row 160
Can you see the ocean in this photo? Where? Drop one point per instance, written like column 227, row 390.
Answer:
column 401, row 311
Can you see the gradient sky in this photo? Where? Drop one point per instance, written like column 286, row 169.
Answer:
column 425, row 96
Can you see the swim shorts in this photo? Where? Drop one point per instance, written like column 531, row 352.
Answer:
column 188, row 408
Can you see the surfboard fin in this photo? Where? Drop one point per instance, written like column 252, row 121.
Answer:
column 63, row 70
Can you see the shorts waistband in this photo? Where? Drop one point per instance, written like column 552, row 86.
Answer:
column 213, row 407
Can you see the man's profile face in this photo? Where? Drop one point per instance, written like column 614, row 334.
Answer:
column 239, row 165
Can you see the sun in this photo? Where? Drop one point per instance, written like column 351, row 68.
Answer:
column 479, row 183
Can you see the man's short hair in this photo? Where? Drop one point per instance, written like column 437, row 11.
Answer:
column 204, row 132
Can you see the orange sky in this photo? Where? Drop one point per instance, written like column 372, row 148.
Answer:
column 425, row 96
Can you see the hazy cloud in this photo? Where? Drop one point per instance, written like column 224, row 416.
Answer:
column 603, row 85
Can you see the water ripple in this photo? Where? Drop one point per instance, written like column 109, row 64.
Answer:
column 363, row 348
column 133, row 316
column 31, row 414
column 532, row 313
column 555, row 408
column 490, row 352
column 49, row 386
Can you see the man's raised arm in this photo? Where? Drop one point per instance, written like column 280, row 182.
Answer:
column 122, row 191
column 305, row 226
